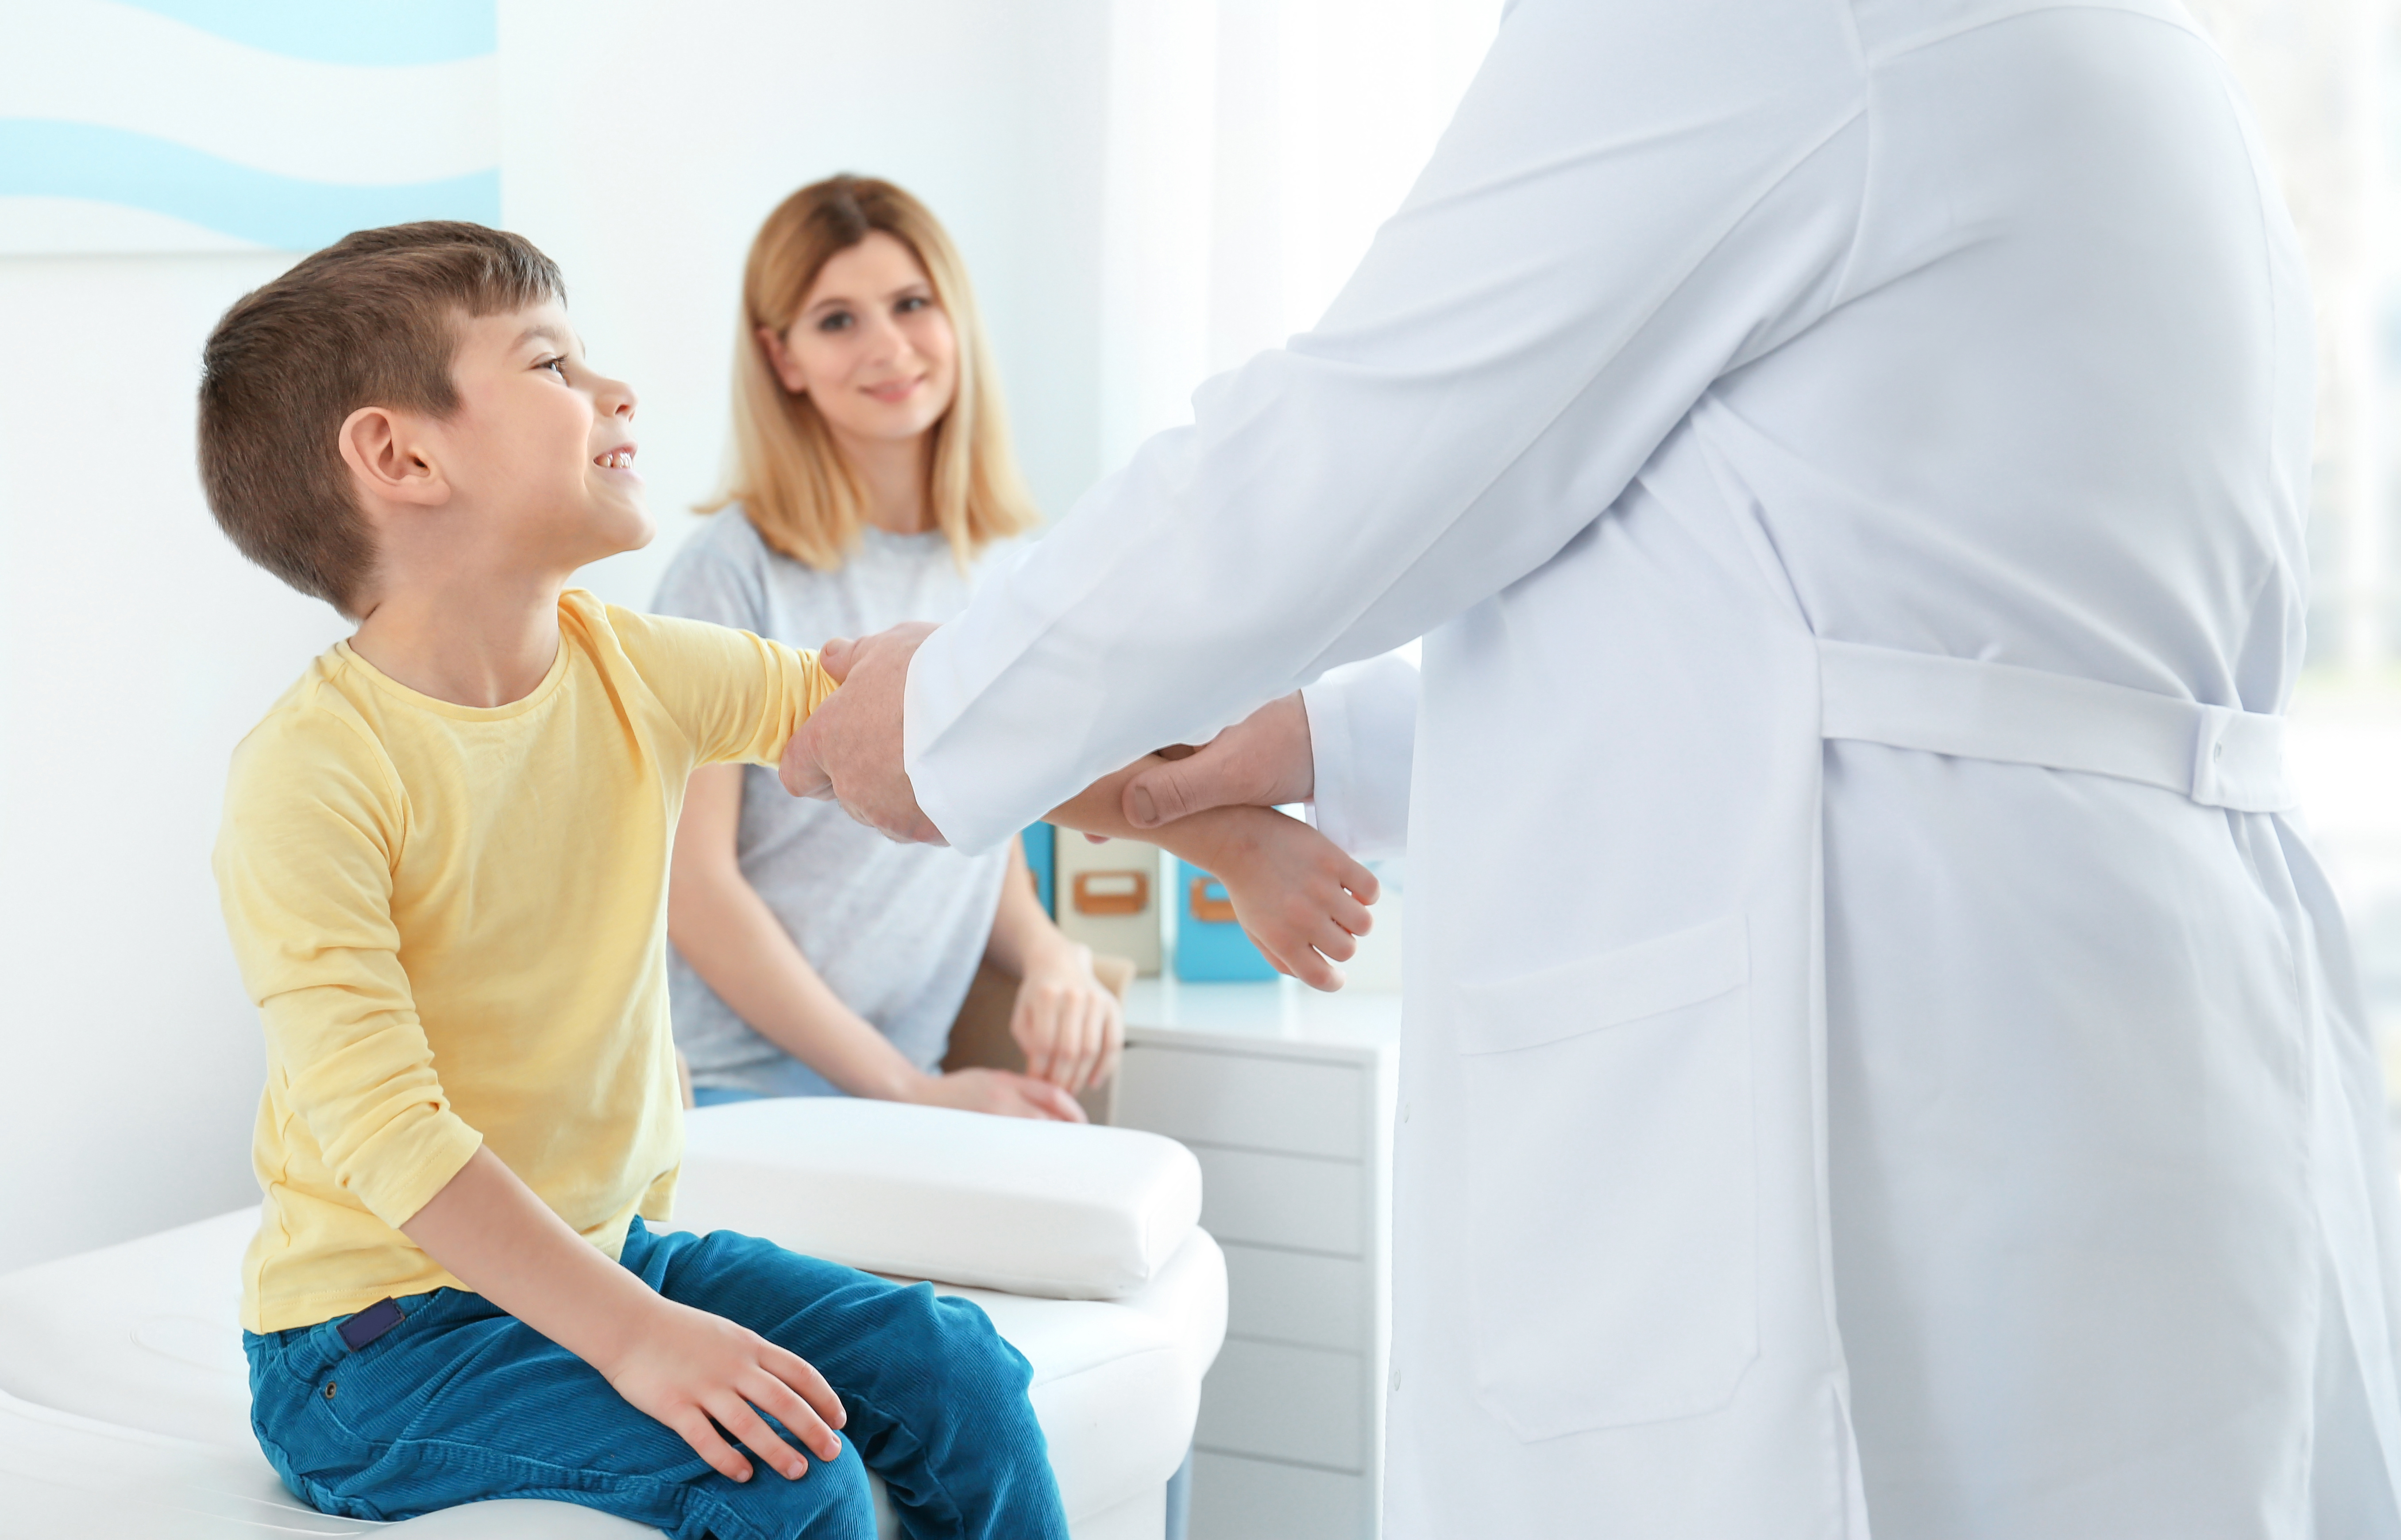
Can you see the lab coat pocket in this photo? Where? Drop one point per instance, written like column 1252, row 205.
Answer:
column 1612, row 1225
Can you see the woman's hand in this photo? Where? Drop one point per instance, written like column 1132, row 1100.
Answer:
column 1003, row 1093
column 1069, row 1024
column 698, row 1373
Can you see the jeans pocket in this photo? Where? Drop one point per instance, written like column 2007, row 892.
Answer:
column 1613, row 1274
column 297, row 1357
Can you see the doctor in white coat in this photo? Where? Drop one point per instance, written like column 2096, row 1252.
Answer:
column 1880, row 1057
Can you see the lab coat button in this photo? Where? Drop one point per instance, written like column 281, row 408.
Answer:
column 2217, row 751
column 1395, row 1382
column 1405, row 1111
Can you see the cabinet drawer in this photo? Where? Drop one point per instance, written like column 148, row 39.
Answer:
column 1235, row 1498
column 1289, row 1403
column 1289, row 1297
column 1284, row 1200
column 1253, row 1101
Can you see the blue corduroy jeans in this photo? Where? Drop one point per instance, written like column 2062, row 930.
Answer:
column 461, row 1402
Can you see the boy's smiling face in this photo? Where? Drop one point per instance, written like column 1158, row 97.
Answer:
column 540, row 450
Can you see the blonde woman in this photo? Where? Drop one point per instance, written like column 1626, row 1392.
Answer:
column 874, row 484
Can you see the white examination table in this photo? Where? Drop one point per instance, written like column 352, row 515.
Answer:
column 124, row 1397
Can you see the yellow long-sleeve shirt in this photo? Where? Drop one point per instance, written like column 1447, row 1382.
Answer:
column 453, row 920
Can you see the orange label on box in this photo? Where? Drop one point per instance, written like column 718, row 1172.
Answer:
column 1209, row 903
column 1112, row 892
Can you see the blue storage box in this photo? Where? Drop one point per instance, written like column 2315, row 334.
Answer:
column 1210, row 946
column 1042, row 854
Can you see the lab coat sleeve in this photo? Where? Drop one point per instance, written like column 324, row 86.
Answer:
column 1633, row 199
column 1363, row 724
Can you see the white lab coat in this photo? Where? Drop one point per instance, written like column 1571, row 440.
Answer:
column 1879, row 1054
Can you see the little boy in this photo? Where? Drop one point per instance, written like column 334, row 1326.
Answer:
column 443, row 866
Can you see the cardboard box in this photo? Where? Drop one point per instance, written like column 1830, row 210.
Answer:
column 1108, row 896
column 1041, row 857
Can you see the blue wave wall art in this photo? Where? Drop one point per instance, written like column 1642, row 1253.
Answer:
column 208, row 124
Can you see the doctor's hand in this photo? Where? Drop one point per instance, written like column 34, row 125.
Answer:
column 1263, row 760
column 849, row 750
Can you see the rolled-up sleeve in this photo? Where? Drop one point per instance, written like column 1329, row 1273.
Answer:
column 1362, row 723
column 312, row 829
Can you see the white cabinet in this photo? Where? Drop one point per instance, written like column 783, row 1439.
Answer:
column 1286, row 1095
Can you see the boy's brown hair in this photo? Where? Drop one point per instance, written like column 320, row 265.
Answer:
column 371, row 320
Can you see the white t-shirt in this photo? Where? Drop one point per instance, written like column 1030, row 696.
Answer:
column 896, row 931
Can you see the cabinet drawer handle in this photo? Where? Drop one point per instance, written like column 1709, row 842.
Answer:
column 1209, row 903
column 1112, row 892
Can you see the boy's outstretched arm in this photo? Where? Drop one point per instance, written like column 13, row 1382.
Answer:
column 1297, row 896
column 684, row 1366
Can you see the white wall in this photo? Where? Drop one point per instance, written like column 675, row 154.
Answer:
column 643, row 143
column 1254, row 148
column 135, row 648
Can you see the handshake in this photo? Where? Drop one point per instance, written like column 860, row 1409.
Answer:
column 1302, row 900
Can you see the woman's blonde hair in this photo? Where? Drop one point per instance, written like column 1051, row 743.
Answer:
column 789, row 474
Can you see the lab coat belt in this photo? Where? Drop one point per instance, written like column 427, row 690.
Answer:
column 2217, row 756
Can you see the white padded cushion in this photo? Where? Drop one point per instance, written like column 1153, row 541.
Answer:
column 1064, row 1211
column 124, row 1394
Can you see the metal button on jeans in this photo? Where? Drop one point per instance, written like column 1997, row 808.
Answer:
column 329, row 1389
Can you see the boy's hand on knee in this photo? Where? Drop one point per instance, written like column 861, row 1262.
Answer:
column 1301, row 899
column 698, row 1372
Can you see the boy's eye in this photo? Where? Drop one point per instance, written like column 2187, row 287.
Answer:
column 556, row 365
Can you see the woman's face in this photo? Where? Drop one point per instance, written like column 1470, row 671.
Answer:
column 871, row 346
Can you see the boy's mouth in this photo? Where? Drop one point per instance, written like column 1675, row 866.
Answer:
column 615, row 459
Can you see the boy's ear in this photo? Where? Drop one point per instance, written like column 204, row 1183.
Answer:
column 388, row 459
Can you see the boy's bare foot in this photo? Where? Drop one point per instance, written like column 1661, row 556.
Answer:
column 1301, row 899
